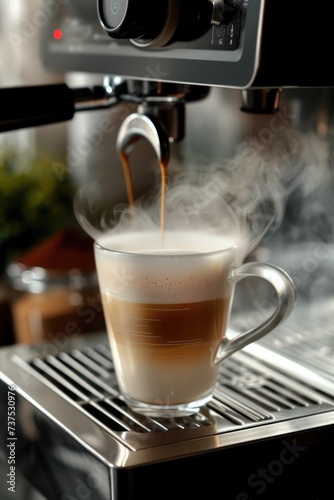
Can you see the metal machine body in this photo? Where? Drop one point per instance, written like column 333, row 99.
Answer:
column 271, row 420
column 257, row 44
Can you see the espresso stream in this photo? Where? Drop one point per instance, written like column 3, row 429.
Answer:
column 130, row 192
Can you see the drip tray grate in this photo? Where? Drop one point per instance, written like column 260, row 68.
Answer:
column 75, row 389
column 248, row 393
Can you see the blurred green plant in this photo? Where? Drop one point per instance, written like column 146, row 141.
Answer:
column 34, row 202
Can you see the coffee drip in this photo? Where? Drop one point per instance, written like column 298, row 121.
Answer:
column 138, row 126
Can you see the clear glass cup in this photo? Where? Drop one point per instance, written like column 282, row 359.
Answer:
column 167, row 307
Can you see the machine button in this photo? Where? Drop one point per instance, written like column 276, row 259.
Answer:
column 132, row 18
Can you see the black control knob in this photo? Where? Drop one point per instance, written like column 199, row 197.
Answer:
column 132, row 18
column 156, row 23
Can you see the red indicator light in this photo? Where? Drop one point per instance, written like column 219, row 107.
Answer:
column 57, row 34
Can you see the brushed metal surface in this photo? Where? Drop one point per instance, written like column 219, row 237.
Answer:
column 255, row 398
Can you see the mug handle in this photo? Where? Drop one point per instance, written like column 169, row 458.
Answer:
column 286, row 293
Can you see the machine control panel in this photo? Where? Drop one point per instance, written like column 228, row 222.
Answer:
column 158, row 24
column 202, row 42
column 226, row 43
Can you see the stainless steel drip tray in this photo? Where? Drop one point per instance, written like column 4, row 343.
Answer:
column 76, row 388
column 304, row 343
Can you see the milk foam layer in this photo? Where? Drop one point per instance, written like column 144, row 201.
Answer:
column 172, row 241
column 140, row 268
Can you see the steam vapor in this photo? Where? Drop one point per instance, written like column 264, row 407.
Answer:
column 244, row 196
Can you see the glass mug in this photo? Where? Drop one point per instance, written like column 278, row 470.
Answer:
column 167, row 310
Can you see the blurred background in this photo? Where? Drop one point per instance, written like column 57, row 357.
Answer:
column 38, row 229
column 47, row 273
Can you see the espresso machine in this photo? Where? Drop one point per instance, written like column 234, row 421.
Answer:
column 269, row 430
